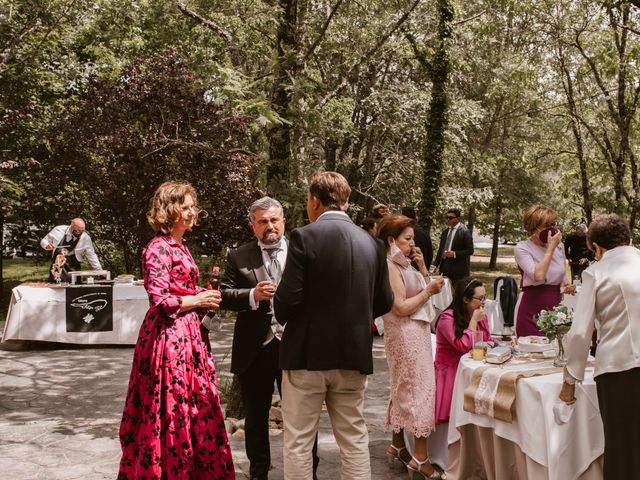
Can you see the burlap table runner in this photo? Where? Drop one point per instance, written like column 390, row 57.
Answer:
column 492, row 390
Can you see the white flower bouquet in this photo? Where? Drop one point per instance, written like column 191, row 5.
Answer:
column 555, row 322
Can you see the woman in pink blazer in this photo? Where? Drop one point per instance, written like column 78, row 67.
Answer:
column 454, row 338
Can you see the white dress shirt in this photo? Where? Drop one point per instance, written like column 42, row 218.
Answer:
column 84, row 246
column 610, row 300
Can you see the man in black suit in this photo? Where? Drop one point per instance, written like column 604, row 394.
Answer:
column 251, row 275
column 335, row 281
column 456, row 248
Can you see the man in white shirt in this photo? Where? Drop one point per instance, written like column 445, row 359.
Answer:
column 68, row 244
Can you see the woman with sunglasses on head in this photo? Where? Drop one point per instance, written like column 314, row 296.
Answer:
column 454, row 338
column 543, row 266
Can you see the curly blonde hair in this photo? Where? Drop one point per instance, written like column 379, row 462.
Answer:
column 166, row 203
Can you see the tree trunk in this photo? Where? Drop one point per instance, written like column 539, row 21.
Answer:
column 438, row 117
column 233, row 398
column 280, row 168
column 497, row 222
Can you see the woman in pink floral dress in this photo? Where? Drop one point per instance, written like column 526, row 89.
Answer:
column 172, row 426
column 407, row 342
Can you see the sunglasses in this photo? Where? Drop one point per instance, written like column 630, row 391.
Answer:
column 451, row 217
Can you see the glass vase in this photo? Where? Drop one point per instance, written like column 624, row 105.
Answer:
column 560, row 360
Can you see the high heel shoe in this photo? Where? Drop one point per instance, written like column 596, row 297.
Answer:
column 436, row 475
column 396, row 456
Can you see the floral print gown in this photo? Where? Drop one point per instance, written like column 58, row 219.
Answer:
column 172, row 426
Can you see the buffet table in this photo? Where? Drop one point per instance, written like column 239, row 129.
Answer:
column 39, row 313
column 540, row 443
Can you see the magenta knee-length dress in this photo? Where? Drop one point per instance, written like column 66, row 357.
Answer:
column 172, row 426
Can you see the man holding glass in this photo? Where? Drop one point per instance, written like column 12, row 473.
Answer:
column 252, row 274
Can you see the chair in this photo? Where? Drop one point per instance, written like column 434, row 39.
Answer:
column 505, row 291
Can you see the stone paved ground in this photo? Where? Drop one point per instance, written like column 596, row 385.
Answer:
column 60, row 408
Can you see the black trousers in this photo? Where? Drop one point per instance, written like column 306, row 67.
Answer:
column 257, row 385
column 619, row 401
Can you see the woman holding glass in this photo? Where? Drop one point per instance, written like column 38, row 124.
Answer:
column 542, row 264
column 172, row 426
column 407, row 341
column 455, row 337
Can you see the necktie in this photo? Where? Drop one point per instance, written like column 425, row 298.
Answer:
column 275, row 269
column 275, row 272
column 449, row 239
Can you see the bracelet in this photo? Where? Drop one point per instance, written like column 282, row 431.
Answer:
column 548, row 254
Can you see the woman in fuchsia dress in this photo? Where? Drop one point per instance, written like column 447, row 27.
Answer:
column 172, row 426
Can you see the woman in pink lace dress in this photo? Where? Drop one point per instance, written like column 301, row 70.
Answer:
column 407, row 341
column 172, row 426
column 454, row 338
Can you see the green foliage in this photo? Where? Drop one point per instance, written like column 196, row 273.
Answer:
column 153, row 123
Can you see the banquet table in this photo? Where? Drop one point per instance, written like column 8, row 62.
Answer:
column 539, row 443
column 38, row 313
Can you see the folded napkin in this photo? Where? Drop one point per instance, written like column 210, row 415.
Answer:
column 492, row 390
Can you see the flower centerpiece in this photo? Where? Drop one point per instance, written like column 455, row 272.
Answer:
column 555, row 324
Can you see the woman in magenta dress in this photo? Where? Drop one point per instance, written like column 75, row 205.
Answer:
column 454, row 338
column 407, row 343
column 543, row 266
column 172, row 426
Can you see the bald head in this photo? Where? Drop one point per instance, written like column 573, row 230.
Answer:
column 77, row 227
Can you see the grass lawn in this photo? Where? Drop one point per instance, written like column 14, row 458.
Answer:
column 480, row 270
column 503, row 251
column 18, row 270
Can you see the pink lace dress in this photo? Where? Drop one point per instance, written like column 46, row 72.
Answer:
column 407, row 344
column 172, row 426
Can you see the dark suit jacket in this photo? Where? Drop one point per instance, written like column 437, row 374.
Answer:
column 422, row 240
column 334, row 283
column 244, row 269
column 462, row 245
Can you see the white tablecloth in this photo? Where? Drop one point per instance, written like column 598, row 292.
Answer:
column 38, row 313
column 565, row 450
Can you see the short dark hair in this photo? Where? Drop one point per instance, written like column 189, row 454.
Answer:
column 409, row 212
column 393, row 226
column 368, row 223
column 331, row 188
column 455, row 211
column 609, row 231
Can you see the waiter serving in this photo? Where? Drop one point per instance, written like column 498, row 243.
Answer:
column 67, row 244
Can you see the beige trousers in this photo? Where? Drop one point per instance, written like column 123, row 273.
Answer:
column 303, row 392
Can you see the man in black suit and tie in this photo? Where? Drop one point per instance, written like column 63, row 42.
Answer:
column 456, row 248
column 252, row 273
column 335, row 281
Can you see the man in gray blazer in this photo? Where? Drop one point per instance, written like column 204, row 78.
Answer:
column 334, row 283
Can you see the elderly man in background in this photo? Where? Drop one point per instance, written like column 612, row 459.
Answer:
column 335, row 281
column 68, row 244
column 610, row 300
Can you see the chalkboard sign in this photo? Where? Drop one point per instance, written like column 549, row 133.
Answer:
column 89, row 309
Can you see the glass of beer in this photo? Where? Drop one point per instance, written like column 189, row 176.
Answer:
column 479, row 346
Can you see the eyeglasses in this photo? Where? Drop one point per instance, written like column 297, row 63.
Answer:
column 483, row 298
